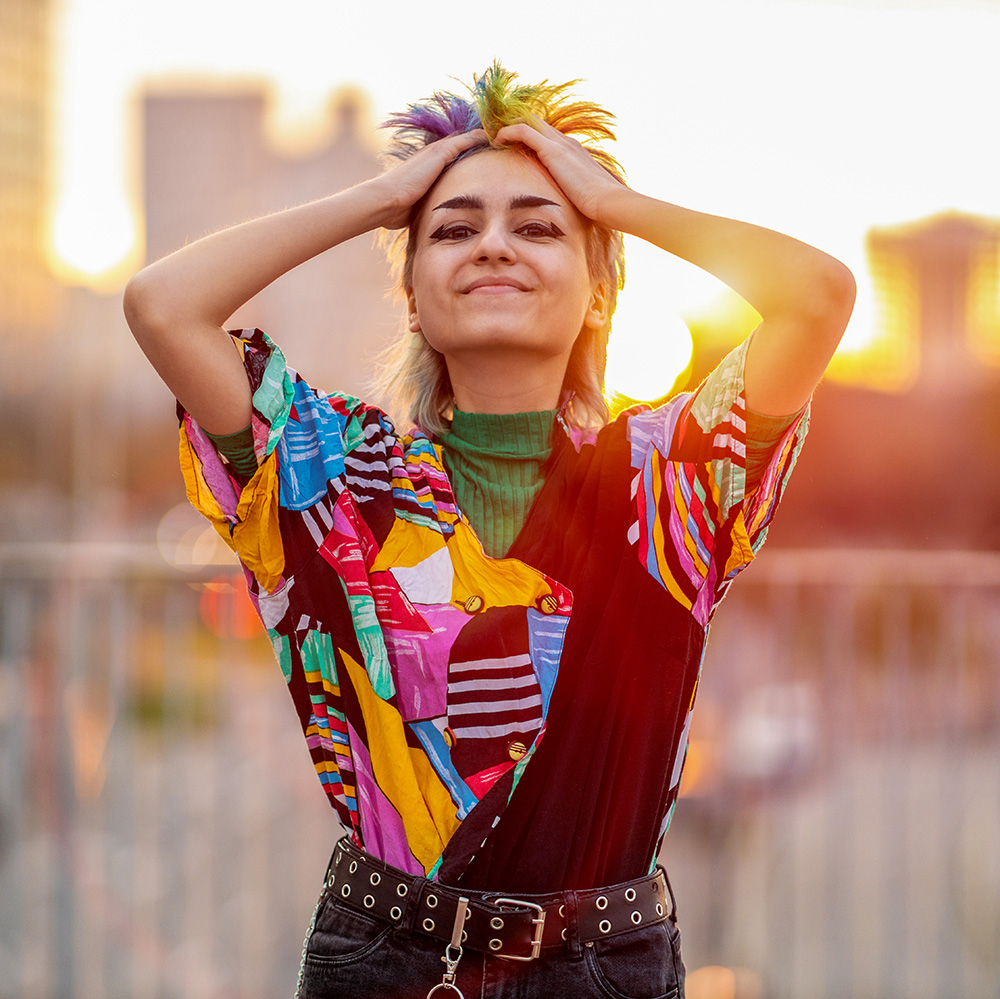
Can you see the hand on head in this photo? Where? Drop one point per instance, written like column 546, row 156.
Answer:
column 411, row 179
column 572, row 167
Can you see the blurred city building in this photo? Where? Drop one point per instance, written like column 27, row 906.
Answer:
column 27, row 289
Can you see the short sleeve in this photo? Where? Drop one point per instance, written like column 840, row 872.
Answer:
column 697, row 523
column 300, row 436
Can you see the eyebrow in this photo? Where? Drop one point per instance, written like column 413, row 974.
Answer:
column 519, row 201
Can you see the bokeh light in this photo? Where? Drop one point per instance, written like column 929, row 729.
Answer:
column 186, row 542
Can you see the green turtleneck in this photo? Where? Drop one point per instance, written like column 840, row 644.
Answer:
column 495, row 465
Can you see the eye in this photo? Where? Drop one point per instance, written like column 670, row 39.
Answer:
column 541, row 230
column 459, row 230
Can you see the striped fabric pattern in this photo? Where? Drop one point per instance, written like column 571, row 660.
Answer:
column 494, row 698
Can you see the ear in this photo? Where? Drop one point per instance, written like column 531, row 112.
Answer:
column 413, row 321
column 599, row 309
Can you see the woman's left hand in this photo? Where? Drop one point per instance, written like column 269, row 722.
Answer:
column 585, row 182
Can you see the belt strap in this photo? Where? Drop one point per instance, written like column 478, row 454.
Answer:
column 514, row 928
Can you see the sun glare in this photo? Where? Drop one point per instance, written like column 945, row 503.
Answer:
column 94, row 240
column 650, row 344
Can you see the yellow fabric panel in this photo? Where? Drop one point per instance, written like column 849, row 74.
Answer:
column 404, row 775
column 198, row 493
column 256, row 534
column 406, row 546
column 500, row 582
column 742, row 553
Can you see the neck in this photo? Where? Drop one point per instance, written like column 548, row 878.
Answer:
column 506, row 382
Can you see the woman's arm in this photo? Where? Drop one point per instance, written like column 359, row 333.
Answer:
column 177, row 307
column 804, row 296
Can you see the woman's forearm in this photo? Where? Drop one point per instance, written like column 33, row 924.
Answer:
column 207, row 281
column 778, row 275
column 804, row 296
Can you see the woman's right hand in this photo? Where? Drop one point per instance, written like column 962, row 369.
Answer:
column 405, row 183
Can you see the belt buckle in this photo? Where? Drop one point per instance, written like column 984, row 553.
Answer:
column 539, row 923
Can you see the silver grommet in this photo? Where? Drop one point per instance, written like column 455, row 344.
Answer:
column 562, row 933
column 495, row 944
column 465, row 935
column 604, row 926
column 401, row 890
column 497, row 923
column 637, row 918
column 630, row 894
column 345, row 891
column 354, row 867
column 369, row 901
column 468, row 914
column 562, row 910
column 336, row 859
column 432, row 901
column 331, row 880
column 395, row 912
column 602, row 902
column 428, row 924
column 375, row 878
column 659, row 909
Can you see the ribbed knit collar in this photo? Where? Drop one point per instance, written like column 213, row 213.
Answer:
column 504, row 435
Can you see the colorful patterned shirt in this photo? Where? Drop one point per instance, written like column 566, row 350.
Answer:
column 518, row 724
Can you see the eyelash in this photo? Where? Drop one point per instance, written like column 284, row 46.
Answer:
column 445, row 232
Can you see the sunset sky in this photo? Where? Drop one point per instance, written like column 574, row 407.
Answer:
column 818, row 119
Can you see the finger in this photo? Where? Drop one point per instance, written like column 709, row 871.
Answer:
column 454, row 145
column 522, row 133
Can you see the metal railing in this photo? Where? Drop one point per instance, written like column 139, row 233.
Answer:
column 161, row 833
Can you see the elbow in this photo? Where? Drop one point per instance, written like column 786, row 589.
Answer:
column 831, row 301
column 841, row 290
column 143, row 303
column 839, row 294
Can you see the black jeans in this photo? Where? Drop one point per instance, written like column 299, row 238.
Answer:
column 348, row 954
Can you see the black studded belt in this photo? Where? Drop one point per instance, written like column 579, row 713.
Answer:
column 512, row 928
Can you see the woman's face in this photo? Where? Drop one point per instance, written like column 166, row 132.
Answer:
column 500, row 263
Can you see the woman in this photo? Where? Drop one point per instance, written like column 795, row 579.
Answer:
column 497, row 703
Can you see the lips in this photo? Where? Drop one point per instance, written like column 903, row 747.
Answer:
column 493, row 282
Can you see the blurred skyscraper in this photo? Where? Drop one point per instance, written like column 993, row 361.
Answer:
column 27, row 289
column 208, row 164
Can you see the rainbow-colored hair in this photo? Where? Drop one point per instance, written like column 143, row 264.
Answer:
column 496, row 101
column 415, row 374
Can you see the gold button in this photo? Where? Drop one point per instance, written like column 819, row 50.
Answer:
column 449, row 737
column 548, row 604
column 516, row 751
column 474, row 604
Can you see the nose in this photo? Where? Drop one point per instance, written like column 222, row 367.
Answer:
column 495, row 244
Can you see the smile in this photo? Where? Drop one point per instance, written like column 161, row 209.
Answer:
column 494, row 289
column 494, row 286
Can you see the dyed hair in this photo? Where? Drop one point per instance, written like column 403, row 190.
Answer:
column 413, row 374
